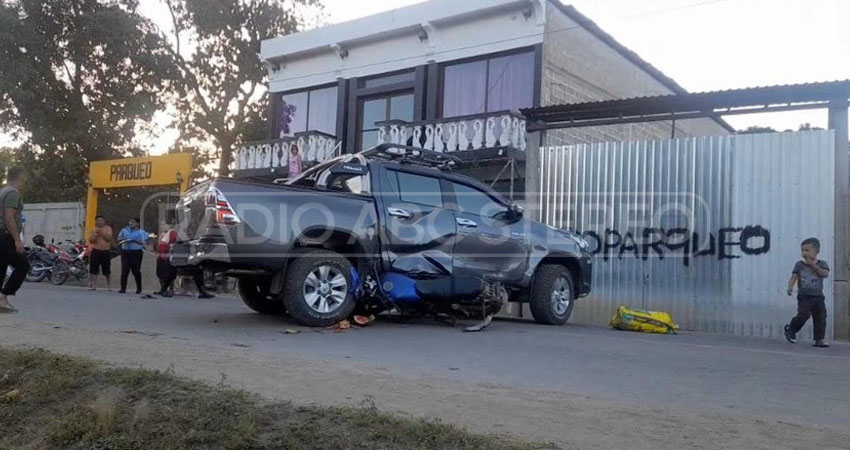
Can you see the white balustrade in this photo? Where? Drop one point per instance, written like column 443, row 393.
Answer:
column 505, row 137
column 313, row 147
column 463, row 137
column 491, row 141
column 429, row 137
column 439, row 145
column 417, row 136
column 478, row 134
column 523, row 136
column 453, row 138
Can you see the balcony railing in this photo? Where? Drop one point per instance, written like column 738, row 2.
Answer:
column 504, row 129
column 313, row 146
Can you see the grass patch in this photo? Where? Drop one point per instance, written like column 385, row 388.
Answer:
column 53, row 401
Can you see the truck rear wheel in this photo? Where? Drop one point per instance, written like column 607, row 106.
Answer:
column 552, row 295
column 317, row 291
column 257, row 296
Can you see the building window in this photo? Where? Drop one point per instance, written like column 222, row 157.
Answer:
column 380, row 109
column 386, row 80
column 313, row 110
column 493, row 84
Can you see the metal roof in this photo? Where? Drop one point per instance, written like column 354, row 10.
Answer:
column 689, row 106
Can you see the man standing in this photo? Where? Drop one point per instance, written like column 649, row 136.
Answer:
column 11, row 247
column 100, row 259
column 133, row 240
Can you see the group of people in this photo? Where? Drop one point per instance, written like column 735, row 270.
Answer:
column 132, row 241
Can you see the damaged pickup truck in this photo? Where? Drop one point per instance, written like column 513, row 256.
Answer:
column 387, row 229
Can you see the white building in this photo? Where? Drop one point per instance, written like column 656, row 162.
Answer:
column 451, row 76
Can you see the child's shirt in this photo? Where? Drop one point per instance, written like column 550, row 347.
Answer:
column 810, row 283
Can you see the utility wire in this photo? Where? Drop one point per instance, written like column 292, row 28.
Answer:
column 677, row 8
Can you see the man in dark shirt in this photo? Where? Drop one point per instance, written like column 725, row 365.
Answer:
column 809, row 274
column 11, row 246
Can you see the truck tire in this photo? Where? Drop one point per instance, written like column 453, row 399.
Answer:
column 552, row 295
column 317, row 291
column 255, row 293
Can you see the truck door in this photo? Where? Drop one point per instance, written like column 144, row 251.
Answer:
column 419, row 231
column 489, row 242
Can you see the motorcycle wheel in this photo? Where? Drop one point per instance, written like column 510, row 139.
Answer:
column 38, row 272
column 59, row 275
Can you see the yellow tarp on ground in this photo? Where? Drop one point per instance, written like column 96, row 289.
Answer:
column 644, row 321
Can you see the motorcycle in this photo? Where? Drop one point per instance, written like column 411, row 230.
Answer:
column 445, row 298
column 73, row 262
column 40, row 260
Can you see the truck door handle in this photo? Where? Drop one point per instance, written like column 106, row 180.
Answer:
column 467, row 223
column 398, row 212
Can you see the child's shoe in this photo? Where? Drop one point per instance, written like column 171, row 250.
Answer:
column 790, row 336
column 820, row 344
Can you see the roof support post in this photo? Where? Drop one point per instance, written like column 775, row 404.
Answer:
column 532, row 173
column 838, row 121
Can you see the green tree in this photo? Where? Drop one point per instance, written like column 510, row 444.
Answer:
column 202, row 161
column 78, row 78
column 757, row 129
column 217, row 46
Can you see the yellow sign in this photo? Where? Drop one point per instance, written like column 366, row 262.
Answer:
column 162, row 170
column 174, row 168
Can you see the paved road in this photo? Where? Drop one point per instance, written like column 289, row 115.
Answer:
column 692, row 372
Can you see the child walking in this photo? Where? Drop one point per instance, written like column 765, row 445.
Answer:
column 808, row 274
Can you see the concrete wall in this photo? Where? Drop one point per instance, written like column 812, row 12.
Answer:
column 57, row 222
column 580, row 67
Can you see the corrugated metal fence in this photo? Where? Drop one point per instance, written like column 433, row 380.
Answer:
column 705, row 228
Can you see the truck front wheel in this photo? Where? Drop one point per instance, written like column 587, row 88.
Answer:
column 552, row 295
column 317, row 291
column 256, row 295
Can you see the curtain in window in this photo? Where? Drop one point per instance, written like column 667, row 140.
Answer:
column 464, row 89
column 511, row 84
column 293, row 115
column 323, row 104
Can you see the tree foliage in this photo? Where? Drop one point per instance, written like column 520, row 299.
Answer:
column 217, row 46
column 755, row 129
column 79, row 78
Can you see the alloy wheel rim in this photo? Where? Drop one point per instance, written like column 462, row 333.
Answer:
column 561, row 296
column 325, row 289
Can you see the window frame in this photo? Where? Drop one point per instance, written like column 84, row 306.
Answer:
column 441, row 70
column 308, row 90
column 387, row 98
column 446, row 197
column 455, row 206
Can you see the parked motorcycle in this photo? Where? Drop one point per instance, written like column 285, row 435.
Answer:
column 73, row 262
column 40, row 259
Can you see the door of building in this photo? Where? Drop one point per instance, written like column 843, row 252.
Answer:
column 376, row 109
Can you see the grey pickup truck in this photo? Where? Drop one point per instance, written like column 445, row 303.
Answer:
column 391, row 228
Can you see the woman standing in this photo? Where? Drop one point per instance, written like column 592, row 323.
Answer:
column 133, row 240
column 164, row 270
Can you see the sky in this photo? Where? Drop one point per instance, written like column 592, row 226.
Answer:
column 704, row 45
